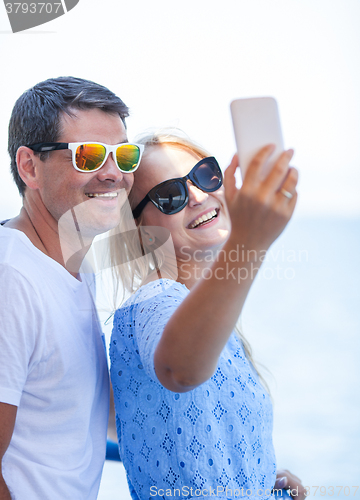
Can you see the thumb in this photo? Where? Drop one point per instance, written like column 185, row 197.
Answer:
column 229, row 178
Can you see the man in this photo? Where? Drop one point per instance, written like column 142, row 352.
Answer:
column 54, row 388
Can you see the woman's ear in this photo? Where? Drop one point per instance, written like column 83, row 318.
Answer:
column 148, row 236
column 26, row 162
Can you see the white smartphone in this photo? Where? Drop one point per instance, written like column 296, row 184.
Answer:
column 256, row 123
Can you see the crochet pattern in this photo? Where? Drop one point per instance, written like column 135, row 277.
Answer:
column 217, row 435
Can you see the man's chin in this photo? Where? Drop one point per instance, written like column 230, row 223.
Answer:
column 79, row 226
column 98, row 225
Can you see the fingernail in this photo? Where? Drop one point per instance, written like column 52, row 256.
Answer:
column 282, row 482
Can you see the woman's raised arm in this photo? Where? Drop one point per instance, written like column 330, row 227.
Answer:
column 195, row 335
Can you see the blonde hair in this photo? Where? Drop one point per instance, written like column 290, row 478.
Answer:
column 127, row 240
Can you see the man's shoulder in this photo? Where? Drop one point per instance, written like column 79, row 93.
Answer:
column 9, row 238
column 19, row 254
column 13, row 242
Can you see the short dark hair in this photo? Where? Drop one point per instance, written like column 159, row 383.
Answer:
column 37, row 113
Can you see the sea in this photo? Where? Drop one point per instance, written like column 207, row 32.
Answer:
column 302, row 318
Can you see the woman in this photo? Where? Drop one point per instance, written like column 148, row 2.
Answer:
column 193, row 417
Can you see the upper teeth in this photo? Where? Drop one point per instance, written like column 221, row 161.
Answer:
column 102, row 195
column 203, row 218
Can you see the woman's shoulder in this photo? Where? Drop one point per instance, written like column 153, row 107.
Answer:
column 157, row 290
column 153, row 293
column 139, row 323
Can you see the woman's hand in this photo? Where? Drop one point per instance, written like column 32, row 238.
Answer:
column 285, row 480
column 259, row 210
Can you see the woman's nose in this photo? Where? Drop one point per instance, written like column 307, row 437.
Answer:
column 196, row 195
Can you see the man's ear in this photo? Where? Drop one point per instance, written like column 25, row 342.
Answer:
column 27, row 162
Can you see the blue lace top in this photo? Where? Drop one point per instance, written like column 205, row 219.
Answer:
column 215, row 439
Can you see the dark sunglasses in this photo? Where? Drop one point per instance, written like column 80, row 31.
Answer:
column 173, row 195
column 91, row 156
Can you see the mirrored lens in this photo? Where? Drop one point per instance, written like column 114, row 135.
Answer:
column 127, row 157
column 171, row 197
column 89, row 156
column 208, row 176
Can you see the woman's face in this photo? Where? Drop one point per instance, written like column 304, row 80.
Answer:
column 189, row 235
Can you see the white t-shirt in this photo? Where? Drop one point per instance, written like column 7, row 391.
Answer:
column 53, row 368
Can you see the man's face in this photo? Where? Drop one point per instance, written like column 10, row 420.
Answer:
column 61, row 187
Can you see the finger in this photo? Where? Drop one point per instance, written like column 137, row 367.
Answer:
column 257, row 163
column 278, row 173
column 231, row 169
column 302, row 492
column 291, row 180
column 287, row 201
column 291, row 478
column 229, row 178
column 288, row 189
column 296, row 487
column 296, row 478
column 294, row 481
column 281, row 482
column 297, row 491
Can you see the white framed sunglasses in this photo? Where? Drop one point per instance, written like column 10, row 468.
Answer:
column 91, row 156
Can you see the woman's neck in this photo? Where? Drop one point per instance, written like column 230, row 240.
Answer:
column 190, row 272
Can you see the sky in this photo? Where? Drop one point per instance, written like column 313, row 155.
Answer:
column 181, row 63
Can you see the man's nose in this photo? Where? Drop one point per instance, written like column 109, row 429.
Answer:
column 110, row 170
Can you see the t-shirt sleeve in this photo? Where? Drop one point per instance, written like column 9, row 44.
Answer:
column 17, row 333
column 152, row 315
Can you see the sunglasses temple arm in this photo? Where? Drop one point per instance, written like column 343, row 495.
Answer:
column 137, row 210
column 45, row 147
